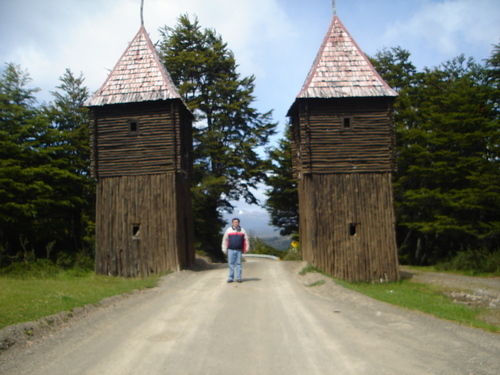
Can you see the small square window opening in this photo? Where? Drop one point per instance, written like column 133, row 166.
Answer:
column 133, row 126
column 347, row 123
column 136, row 229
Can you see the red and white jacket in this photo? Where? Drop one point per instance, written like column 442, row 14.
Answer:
column 235, row 239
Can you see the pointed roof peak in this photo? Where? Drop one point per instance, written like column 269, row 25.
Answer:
column 138, row 76
column 342, row 70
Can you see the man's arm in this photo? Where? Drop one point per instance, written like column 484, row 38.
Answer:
column 246, row 242
column 224, row 242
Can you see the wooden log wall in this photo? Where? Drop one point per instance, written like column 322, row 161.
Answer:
column 347, row 225
column 325, row 146
column 144, row 225
column 163, row 142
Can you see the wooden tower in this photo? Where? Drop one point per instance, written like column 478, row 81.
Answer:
column 343, row 136
column 141, row 141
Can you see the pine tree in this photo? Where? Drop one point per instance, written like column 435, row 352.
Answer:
column 44, row 181
column 446, row 185
column 228, row 130
column 71, row 120
column 25, row 170
column 283, row 201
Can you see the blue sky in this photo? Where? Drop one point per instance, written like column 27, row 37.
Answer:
column 275, row 40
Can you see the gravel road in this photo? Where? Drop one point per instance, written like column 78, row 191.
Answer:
column 196, row 323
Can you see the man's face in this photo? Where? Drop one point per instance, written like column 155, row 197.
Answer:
column 236, row 223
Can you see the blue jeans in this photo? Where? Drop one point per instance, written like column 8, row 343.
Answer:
column 234, row 259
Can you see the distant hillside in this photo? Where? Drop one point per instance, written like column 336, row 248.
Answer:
column 279, row 243
column 256, row 223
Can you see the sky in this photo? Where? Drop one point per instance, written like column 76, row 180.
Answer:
column 274, row 40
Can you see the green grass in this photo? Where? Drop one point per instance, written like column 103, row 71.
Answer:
column 310, row 268
column 24, row 298
column 426, row 298
column 316, row 283
column 441, row 268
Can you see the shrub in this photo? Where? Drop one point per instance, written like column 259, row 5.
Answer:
column 292, row 255
column 473, row 261
column 38, row 269
column 294, row 252
column 80, row 260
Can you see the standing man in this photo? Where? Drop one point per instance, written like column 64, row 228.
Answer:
column 234, row 243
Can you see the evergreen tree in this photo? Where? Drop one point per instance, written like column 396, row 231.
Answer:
column 44, row 183
column 25, row 171
column 283, row 201
column 395, row 67
column 446, row 185
column 72, row 154
column 228, row 130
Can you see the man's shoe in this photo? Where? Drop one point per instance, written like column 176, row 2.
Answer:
column 230, row 281
column 239, row 280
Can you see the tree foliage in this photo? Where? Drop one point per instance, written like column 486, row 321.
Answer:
column 42, row 170
column 72, row 121
column 447, row 195
column 228, row 130
column 283, row 202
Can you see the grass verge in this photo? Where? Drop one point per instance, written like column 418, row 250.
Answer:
column 440, row 268
column 316, row 283
column 426, row 298
column 25, row 299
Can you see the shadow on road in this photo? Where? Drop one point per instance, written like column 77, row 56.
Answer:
column 251, row 279
column 201, row 264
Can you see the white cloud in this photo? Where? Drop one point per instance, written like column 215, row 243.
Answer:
column 91, row 39
column 438, row 31
column 274, row 39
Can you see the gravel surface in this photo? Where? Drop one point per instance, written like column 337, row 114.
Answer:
column 196, row 323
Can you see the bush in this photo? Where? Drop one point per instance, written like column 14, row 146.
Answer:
column 81, row 260
column 292, row 255
column 473, row 262
column 294, row 252
column 39, row 269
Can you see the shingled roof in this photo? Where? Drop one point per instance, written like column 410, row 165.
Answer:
column 138, row 76
column 342, row 70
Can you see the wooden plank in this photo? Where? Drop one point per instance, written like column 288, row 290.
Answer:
column 156, row 204
column 329, row 203
column 162, row 144
column 323, row 146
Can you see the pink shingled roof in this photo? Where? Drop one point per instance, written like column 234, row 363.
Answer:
column 342, row 70
column 138, row 76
